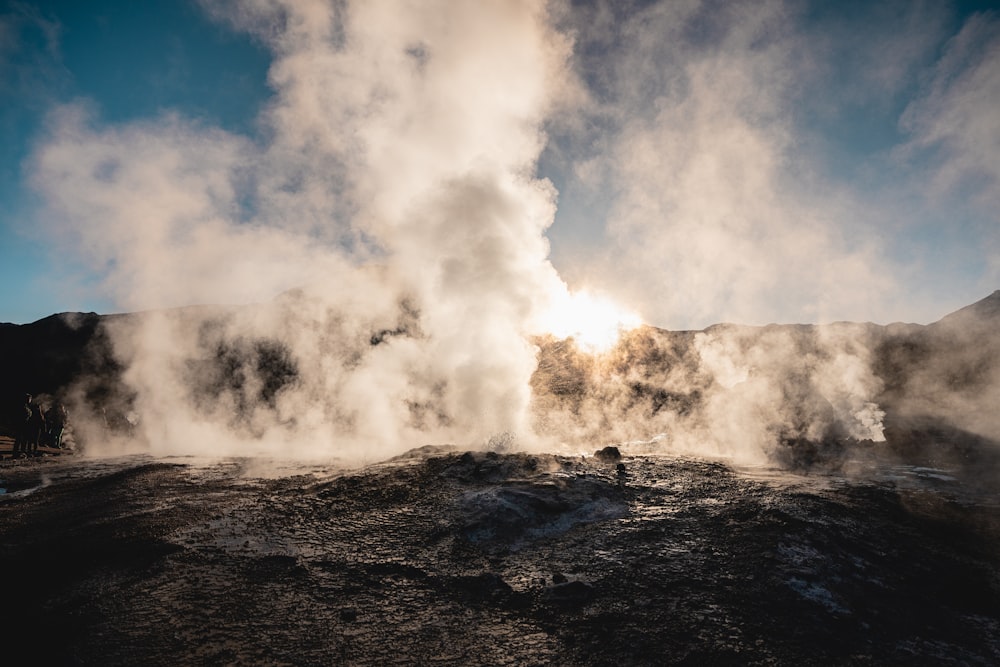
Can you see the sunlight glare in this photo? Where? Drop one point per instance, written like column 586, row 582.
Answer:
column 594, row 322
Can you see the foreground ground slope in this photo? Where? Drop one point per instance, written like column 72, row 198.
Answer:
column 453, row 558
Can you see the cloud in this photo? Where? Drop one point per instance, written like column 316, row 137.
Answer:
column 155, row 203
column 714, row 213
column 395, row 184
column 955, row 118
column 29, row 53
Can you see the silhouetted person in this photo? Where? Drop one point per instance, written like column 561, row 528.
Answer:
column 23, row 428
column 57, row 419
column 36, row 426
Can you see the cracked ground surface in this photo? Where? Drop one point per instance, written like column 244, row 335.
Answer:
column 444, row 557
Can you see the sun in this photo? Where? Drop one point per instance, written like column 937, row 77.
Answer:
column 594, row 322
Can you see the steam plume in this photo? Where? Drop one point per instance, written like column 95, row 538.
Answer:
column 390, row 223
column 395, row 192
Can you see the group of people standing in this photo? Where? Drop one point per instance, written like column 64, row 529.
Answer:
column 38, row 427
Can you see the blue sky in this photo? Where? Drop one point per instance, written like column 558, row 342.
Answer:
column 129, row 60
column 754, row 162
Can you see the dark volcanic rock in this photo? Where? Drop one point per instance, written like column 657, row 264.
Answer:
column 569, row 592
column 138, row 562
column 609, row 454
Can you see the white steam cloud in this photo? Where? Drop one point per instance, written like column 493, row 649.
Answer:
column 726, row 199
column 396, row 191
column 707, row 215
column 744, row 393
column 392, row 198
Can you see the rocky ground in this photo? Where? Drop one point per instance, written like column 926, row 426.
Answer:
column 444, row 557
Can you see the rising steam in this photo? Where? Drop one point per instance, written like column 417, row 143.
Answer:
column 395, row 194
column 389, row 225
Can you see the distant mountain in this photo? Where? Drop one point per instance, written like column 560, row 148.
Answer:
column 942, row 381
column 985, row 312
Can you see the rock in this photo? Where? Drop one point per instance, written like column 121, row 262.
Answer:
column 609, row 453
column 571, row 592
column 486, row 586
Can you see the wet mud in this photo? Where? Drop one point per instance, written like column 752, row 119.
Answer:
column 452, row 558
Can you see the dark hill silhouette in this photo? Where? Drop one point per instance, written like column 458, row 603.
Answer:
column 940, row 383
column 985, row 311
column 47, row 357
column 943, row 380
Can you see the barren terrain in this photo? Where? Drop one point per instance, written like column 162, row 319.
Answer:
column 444, row 557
